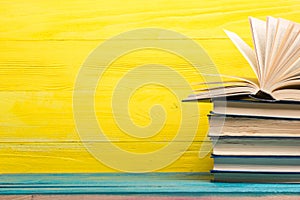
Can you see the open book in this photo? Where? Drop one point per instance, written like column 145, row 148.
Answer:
column 274, row 60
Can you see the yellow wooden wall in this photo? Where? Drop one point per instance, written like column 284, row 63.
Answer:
column 44, row 42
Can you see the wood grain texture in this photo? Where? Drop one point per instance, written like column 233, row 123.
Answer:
column 129, row 197
column 92, row 19
column 89, row 197
column 28, row 157
column 44, row 43
column 54, row 65
column 16, row 197
column 165, row 184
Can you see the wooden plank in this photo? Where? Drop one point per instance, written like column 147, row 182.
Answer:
column 137, row 197
column 54, row 65
column 80, row 20
column 47, row 157
column 39, row 116
column 16, row 197
column 172, row 184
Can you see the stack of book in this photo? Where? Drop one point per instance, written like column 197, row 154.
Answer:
column 259, row 140
column 256, row 141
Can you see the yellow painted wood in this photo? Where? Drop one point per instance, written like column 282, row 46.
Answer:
column 48, row 117
column 44, row 43
column 22, row 62
column 92, row 19
column 41, row 157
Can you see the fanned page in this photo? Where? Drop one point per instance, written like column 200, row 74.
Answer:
column 292, row 31
column 291, row 79
column 258, row 28
column 227, row 91
column 287, row 84
column 230, row 86
column 280, row 45
column 270, row 35
column 287, row 94
column 246, row 51
column 288, row 64
column 282, row 28
column 275, row 61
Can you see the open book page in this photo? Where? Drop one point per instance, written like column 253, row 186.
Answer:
column 293, row 70
column 214, row 85
column 287, row 94
column 271, row 29
column 284, row 38
column 289, row 64
column 226, row 87
column 275, row 61
column 258, row 28
column 293, row 78
column 222, row 92
column 283, row 28
column 231, row 86
column 246, row 51
column 290, row 78
column 228, row 78
column 293, row 83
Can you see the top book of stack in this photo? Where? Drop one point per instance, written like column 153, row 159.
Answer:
column 275, row 61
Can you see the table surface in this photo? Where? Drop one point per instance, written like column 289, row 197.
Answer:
column 165, row 184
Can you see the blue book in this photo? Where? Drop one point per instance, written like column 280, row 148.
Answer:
column 246, row 106
column 244, row 163
column 256, row 177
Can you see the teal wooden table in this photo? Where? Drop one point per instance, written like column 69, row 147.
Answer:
column 149, row 185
